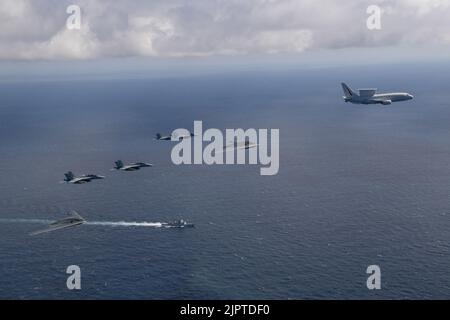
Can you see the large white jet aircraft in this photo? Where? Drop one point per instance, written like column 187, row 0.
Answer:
column 370, row 96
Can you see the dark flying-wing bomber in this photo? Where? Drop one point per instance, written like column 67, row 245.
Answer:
column 72, row 220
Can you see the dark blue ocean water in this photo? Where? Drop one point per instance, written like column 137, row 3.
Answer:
column 358, row 185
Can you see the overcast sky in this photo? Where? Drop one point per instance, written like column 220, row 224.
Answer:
column 35, row 30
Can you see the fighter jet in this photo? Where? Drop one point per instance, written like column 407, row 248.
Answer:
column 70, row 178
column 169, row 137
column 370, row 96
column 73, row 219
column 160, row 137
column 239, row 145
column 130, row 167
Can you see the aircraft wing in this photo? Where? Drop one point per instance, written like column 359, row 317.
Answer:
column 80, row 180
column 248, row 146
column 54, row 228
column 241, row 146
column 383, row 102
column 228, row 147
column 238, row 146
column 75, row 214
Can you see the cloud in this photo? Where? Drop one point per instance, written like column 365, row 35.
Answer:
column 36, row 29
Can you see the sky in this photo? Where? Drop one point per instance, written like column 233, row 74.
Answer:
column 34, row 34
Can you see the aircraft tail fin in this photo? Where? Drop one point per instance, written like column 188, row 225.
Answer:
column 158, row 136
column 75, row 214
column 68, row 176
column 347, row 91
column 119, row 164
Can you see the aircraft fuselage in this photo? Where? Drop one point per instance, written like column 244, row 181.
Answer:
column 379, row 98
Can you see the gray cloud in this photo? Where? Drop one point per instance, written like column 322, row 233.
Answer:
column 35, row 29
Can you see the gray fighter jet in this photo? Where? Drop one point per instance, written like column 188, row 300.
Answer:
column 239, row 145
column 72, row 220
column 130, row 167
column 70, row 178
column 370, row 96
column 169, row 137
column 161, row 137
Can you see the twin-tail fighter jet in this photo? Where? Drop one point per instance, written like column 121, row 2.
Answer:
column 70, row 178
column 130, row 167
column 169, row 137
column 239, row 145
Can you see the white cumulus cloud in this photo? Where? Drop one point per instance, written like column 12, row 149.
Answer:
column 36, row 29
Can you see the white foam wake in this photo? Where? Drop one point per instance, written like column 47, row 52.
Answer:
column 98, row 223
column 125, row 224
column 40, row 221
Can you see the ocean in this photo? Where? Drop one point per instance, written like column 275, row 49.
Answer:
column 357, row 186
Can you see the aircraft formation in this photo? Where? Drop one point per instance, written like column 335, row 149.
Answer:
column 118, row 165
column 74, row 219
column 364, row 96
